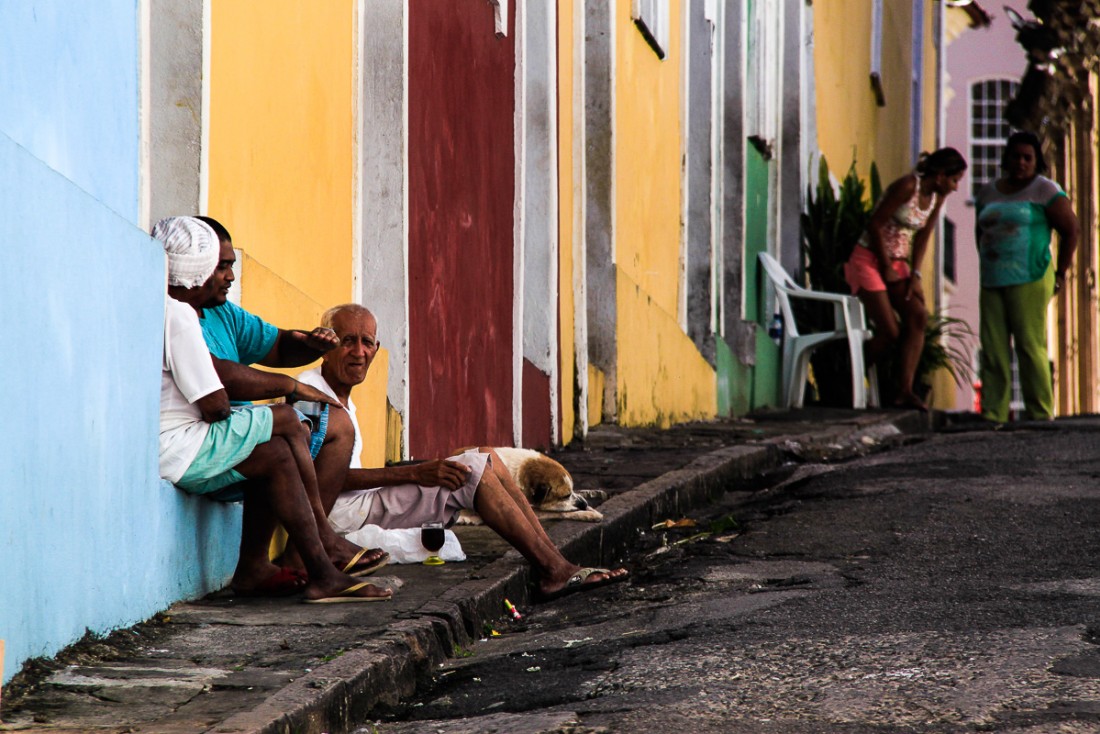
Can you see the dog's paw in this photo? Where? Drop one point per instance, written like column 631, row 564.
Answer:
column 578, row 515
column 468, row 517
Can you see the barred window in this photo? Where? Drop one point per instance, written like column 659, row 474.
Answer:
column 988, row 129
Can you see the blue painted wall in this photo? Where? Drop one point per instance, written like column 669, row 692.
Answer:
column 90, row 537
column 69, row 83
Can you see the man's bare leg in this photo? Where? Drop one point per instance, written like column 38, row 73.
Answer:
column 339, row 549
column 509, row 518
column 257, row 524
column 334, row 458
column 280, row 488
column 509, row 484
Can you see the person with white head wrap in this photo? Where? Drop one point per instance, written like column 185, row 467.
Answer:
column 192, row 249
column 209, row 449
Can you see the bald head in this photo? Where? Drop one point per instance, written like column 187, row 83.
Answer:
column 357, row 329
column 351, row 309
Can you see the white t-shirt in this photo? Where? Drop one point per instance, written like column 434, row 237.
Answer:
column 313, row 378
column 187, row 375
column 351, row 508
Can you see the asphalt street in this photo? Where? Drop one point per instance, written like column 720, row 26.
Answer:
column 947, row 585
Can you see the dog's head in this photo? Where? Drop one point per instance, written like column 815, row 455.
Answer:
column 549, row 486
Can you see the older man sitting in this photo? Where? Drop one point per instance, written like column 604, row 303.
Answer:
column 407, row 496
column 205, row 446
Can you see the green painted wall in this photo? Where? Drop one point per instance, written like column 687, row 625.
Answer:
column 765, row 377
column 734, row 381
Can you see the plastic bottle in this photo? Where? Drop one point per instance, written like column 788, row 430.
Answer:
column 775, row 330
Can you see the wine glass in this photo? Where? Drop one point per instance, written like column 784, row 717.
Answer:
column 432, row 538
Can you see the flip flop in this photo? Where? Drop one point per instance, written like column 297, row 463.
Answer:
column 368, row 567
column 579, row 582
column 284, row 582
column 345, row 596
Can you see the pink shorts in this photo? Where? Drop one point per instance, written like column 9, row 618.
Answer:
column 409, row 505
column 862, row 273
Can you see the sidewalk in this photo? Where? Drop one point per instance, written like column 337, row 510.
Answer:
column 222, row 664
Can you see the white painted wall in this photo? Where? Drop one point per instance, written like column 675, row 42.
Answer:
column 384, row 154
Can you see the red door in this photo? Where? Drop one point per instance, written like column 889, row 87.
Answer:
column 461, row 196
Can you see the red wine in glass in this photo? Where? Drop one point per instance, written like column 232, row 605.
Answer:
column 432, row 538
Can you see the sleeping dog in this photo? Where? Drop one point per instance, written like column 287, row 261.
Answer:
column 547, row 486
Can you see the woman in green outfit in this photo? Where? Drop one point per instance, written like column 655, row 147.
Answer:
column 1015, row 216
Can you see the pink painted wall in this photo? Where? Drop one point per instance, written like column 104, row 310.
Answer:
column 461, row 195
column 976, row 55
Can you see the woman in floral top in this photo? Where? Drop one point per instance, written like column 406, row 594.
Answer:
column 884, row 268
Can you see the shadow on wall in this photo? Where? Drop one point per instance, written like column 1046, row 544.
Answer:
column 85, row 503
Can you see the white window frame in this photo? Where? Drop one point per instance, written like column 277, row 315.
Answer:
column 876, row 53
column 500, row 17
column 652, row 19
column 977, row 180
column 765, row 82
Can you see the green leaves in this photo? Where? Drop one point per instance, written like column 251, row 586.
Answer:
column 946, row 340
column 833, row 222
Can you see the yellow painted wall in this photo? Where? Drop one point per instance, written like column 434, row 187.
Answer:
column 943, row 384
column 647, row 158
column 848, row 118
column 281, row 138
column 596, row 381
column 281, row 163
column 566, row 203
column 371, row 410
column 661, row 377
column 299, row 311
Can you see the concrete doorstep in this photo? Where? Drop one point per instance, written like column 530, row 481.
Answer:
column 277, row 666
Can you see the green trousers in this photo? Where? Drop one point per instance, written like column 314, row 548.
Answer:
column 1019, row 311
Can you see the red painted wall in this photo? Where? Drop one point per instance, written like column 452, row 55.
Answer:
column 461, row 194
column 536, row 407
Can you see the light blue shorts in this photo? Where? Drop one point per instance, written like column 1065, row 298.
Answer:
column 227, row 444
column 316, row 432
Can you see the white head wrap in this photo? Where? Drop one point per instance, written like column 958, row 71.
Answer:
column 192, row 249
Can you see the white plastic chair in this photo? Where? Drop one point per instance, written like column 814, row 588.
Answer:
column 849, row 323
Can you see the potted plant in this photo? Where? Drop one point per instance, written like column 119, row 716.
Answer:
column 831, row 225
column 946, row 341
column 833, row 222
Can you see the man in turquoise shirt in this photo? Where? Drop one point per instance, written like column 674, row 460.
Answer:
column 237, row 339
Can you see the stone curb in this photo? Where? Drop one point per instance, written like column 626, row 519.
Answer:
column 334, row 696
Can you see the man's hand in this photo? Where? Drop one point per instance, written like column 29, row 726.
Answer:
column 322, row 339
column 440, row 473
column 303, row 391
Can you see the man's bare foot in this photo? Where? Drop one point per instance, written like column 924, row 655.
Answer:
column 364, row 562
column 579, row 579
column 343, row 552
column 341, row 587
column 270, row 581
column 348, row 557
column 283, row 582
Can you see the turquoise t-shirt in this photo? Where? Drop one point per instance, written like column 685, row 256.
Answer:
column 1014, row 232
column 234, row 334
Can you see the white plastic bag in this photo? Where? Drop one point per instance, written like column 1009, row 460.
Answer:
column 403, row 544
